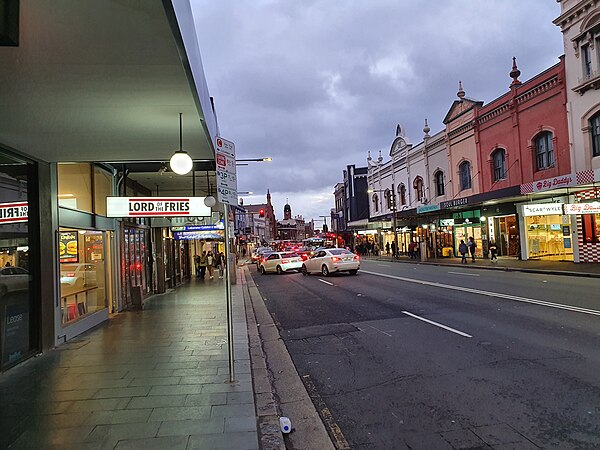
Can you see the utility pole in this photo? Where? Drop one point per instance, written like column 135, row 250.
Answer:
column 394, row 220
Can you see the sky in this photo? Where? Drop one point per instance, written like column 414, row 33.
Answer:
column 316, row 84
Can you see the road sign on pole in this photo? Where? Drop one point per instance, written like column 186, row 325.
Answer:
column 226, row 174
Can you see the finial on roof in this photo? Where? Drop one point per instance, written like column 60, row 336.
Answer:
column 515, row 72
column 461, row 92
column 369, row 157
column 426, row 129
column 380, row 157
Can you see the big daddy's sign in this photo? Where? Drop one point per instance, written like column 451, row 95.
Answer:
column 555, row 183
column 156, row 207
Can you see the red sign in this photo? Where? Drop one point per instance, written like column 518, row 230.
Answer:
column 13, row 212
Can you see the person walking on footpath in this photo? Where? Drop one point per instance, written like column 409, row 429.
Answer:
column 219, row 263
column 493, row 252
column 387, row 248
column 203, row 261
column 210, row 260
column 472, row 246
column 394, row 250
column 197, row 265
column 463, row 249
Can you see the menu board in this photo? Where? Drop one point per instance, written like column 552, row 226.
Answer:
column 67, row 246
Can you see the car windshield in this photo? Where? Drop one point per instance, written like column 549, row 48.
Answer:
column 289, row 255
column 340, row 251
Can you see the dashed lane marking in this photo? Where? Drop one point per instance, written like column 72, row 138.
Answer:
column 326, row 282
column 467, row 274
column 453, row 330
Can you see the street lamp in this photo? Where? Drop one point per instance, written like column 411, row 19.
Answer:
column 393, row 216
column 247, row 160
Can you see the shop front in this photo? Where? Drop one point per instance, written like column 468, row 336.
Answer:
column 468, row 224
column 587, row 216
column 502, row 228
column 546, row 231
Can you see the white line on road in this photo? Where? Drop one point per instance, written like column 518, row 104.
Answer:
column 516, row 298
column 437, row 324
column 383, row 332
column 326, row 282
column 468, row 274
column 384, row 265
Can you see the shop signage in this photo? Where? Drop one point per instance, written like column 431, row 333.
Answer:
column 67, row 246
column 226, row 173
column 156, row 206
column 15, row 342
column 454, row 203
column 446, row 222
column 199, row 235
column 13, row 212
column 555, row 183
column 582, row 208
column 427, row 208
column 216, row 226
column 543, row 209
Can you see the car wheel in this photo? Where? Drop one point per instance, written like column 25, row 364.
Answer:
column 325, row 271
column 279, row 270
column 303, row 270
column 353, row 271
column 262, row 270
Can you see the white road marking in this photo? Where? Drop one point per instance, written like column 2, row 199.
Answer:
column 384, row 265
column 468, row 274
column 454, row 330
column 326, row 282
column 516, row 298
column 383, row 332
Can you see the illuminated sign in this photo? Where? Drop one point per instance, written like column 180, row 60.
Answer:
column 446, row 222
column 582, row 208
column 543, row 209
column 427, row 208
column 200, row 235
column 13, row 212
column 67, row 246
column 156, row 207
column 453, row 203
column 216, row 226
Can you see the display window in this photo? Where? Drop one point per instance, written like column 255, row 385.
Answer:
column 83, row 269
column 464, row 232
column 18, row 309
column 549, row 237
column 591, row 228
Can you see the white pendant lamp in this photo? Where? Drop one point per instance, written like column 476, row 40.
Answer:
column 181, row 163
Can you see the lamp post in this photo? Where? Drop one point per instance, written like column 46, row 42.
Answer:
column 393, row 195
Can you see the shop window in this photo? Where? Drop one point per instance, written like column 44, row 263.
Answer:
column 591, row 228
column 439, row 183
column 418, row 186
column 499, row 162
column 465, row 175
column 595, row 131
column 402, row 192
column 586, row 59
column 544, row 151
column 75, row 186
column 83, row 268
column 376, row 202
column 103, row 183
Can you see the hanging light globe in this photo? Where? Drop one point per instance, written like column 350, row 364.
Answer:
column 181, row 163
column 210, row 201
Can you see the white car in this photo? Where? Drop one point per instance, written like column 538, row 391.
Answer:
column 280, row 262
column 329, row 260
column 78, row 275
column 13, row 279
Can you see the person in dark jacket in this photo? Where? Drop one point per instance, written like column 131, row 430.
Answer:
column 463, row 250
column 472, row 246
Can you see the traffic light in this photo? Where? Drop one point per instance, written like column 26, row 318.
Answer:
column 261, row 212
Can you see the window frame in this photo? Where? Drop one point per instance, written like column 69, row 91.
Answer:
column 586, row 61
column 463, row 173
column 499, row 165
column 440, row 185
column 402, row 193
column 544, row 156
column 595, row 138
column 419, row 188
column 376, row 202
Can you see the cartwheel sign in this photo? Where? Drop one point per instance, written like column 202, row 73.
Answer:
column 156, row 207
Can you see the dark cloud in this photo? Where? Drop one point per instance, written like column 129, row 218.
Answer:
column 315, row 84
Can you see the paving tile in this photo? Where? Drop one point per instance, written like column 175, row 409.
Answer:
column 66, row 420
column 463, row 439
column 39, row 438
column 178, row 365
column 199, row 371
column 137, row 391
column 189, row 427
column 180, row 413
column 117, row 432
column 103, row 404
column 226, row 387
column 159, row 443
column 241, row 410
column 206, row 399
column 239, row 397
column 119, row 416
column 498, row 434
column 176, row 389
column 236, row 424
column 149, row 373
column 157, row 401
column 154, row 381
column 204, row 379
column 228, row 441
column 63, row 396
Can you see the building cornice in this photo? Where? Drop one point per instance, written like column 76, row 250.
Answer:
column 571, row 16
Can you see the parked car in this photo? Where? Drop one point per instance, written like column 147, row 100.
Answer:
column 78, row 275
column 330, row 260
column 13, row 279
column 280, row 262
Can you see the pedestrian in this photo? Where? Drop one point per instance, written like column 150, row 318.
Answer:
column 387, row 248
column 209, row 264
column 197, row 265
column 219, row 263
column 463, row 249
column 394, row 249
column 472, row 246
column 493, row 252
column 203, row 260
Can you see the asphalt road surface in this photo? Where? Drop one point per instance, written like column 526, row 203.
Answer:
column 429, row 357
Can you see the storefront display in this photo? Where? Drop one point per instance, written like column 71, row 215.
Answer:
column 547, row 232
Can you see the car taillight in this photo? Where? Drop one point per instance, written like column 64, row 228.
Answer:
column 71, row 274
column 264, row 259
column 335, row 259
column 356, row 257
column 285, row 261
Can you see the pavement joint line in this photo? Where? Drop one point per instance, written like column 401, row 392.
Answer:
column 382, row 332
column 445, row 327
column 489, row 294
column 326, row 282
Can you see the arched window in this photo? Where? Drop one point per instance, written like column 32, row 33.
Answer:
column 465, row 175
column 389, row 199
column 439, row 183
column 499, row 163
column 402, row 192
column 544, row 151
column 418, row 186
column 375, row 202
column 595, row 130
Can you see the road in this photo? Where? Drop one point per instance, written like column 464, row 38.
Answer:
column 430, row 357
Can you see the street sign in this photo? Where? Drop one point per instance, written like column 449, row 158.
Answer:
column 226, row 174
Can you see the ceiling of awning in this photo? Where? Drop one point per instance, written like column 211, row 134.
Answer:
column 99, row 80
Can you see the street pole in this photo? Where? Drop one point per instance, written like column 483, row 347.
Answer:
column 394, row 220
column 228, row 265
